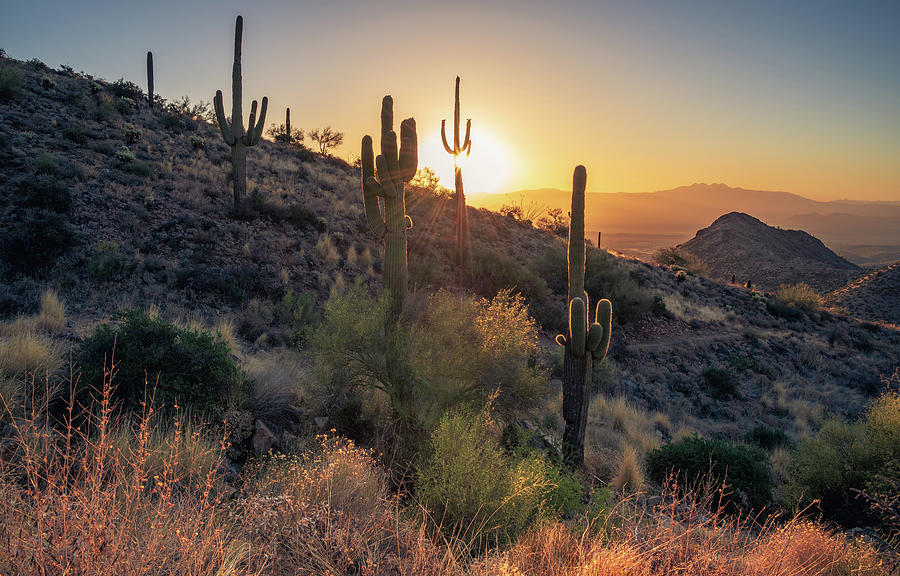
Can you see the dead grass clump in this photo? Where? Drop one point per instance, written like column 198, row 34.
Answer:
column 686, row 311
column 27, row 350
column 326, row 250
column 52, row 316
column 800, row 296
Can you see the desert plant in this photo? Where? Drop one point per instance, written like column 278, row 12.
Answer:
column 284, row 132
column 471, row 489
column 743, row 470
column 327, row 139
column 720, row 382
column 585, row 342
column 800, row 297
column 193, row 368
column 150, row 78
column 11, row 82
column 234, row 134
column 36, row 241
column 463, row 255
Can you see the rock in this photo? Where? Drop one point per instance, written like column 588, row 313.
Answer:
column 263, row 438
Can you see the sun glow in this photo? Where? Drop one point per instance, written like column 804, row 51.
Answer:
column 485, row 171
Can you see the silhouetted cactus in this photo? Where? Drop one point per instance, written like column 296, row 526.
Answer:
column 150, row 78
column 463, row 254
column 385, row 177
column 287, row 124
column 584, row 343
column 234, row 134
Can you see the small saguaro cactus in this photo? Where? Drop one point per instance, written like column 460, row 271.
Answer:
column 585, row 343
column 150, row 78
column 234, row 134
column 463, row 247
column 287, row 124
column 385, row 177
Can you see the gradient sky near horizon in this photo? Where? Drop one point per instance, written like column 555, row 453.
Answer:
column 802, row 97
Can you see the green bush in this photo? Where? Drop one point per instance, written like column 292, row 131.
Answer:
column 45, row 163
column 744, row 469
column 472, row 490
column 109, row 262
column 719, row 382
column 190, row 368
column 42, row 192
column 297, row 214
column 36, row 241
column 768, row 438
column 126, row 89
column 11, row 82
column 495, row 271
column 844, row 457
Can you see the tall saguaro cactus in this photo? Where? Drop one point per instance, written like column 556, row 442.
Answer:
column 585, row 343
column 463, row 246
column 384, row 177
column 150, row 78
column 234, row 134
column 287, row 124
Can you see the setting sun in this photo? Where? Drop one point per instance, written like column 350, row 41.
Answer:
column 485, row 171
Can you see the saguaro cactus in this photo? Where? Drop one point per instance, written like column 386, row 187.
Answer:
column 287, row 124
column 150, row 78
column 463, row 247
column 585, row 343
column 385, row 177
column 234, row 134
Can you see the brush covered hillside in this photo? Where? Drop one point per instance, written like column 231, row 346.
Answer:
column 265, row 327
column 874, row 296
column 740, row 245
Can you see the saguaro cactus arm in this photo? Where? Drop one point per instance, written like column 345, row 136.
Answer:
column 224, row 127
column 466, row 147
column 255, row 128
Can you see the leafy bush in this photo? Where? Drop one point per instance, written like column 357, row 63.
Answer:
column 45, row 163
column 197, row 142
column 297, row 214
column 132, row 133
column 42, row 192
column 109, row 262
column 193, row 368
column 674, row 257
column 125, row 155
column 744, row 469
column 472, row 489
column 74, row 133
column 36, row 241
column 11, row 82
column 495, row 271
column 720, row 383
column 768, row 438
column 845, row 457
column 126, row 89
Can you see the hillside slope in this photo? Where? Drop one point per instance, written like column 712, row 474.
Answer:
column 874, row 296
column 157, row 231
column 739, row 244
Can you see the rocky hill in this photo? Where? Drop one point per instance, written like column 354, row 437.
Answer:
column 740, row 245
column 117, row 205
column 874, row 296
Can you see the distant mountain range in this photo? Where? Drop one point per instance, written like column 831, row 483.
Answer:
column 740, row 245
column 867, row 233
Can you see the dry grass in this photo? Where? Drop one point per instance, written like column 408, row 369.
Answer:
column 800, row 296
column 687, row 311
column 618, row 437
column 326, row 250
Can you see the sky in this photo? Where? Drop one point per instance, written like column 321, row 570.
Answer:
column 802, row 97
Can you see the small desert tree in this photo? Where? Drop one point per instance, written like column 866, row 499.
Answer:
column 279, row 133
column 326, row 138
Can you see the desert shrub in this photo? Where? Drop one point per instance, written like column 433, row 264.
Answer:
column 471, row 489
column 555, row 222
column 677, row 258
column 188, row 367
column 11, row 82
column 768, row 438
column 45, row 163
column 846, row 457
column 743, row 469
column 131, row 134
column 495, row 271
column 108, row 262
column 296, row 213
column 74, row 133
column 126, row 89
column 465, row 350
column 278, row 133
column 719, row 382
column 36, row 241
column 124, row 155
column 798, row 297
column 47, row 83
column 43, row 192
column 197, row 142
column 125, row 105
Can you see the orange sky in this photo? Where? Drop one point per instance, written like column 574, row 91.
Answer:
column 802, row 97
